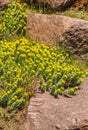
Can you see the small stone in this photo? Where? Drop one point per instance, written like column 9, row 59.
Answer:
column 57, row 126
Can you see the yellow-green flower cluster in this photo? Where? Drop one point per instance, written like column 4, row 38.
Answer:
column 12, row 21
column 22, row 61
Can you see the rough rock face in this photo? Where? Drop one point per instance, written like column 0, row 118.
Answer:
column 77, row 39
column 56, row 4
column 56, row 28
column 47, row 113
column 3, row 4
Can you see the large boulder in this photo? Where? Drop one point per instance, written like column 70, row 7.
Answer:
column 53, row 29
column 55, row 4
column 3, row 4
column 48, row 113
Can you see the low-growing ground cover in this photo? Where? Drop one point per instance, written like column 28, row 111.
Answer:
column 77, row 14
column 13, row 21
column 11, row 120
column 21, row 61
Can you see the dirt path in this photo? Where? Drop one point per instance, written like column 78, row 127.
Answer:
column 47, row 113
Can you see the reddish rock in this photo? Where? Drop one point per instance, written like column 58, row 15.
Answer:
column 53, row 29
column 56, row 4
column 48, row 113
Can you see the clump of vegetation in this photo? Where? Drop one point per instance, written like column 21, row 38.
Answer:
column 22, row 61
column 79, row 14
column 12, row 21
